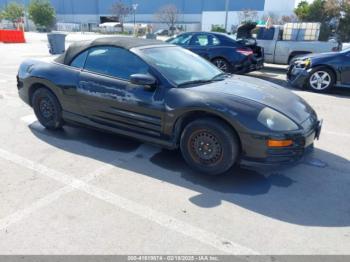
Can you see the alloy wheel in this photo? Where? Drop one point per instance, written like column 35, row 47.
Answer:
column 320, row 80
column 221, row 64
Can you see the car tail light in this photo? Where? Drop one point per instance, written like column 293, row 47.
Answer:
column 245, row 52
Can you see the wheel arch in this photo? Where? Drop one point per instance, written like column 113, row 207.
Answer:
column 296, row 53
column 188, row 117
column 35, row 85
column 219, row 57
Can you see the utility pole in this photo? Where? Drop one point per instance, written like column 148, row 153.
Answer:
column 134, row 7
column 227, row 4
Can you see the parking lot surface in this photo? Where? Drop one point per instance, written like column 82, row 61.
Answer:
column 79, row 191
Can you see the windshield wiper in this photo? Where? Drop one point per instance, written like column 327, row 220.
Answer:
column 194, row 82
column 219, row 77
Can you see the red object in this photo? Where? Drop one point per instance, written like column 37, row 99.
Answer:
column 245, row 52
column 12, row 36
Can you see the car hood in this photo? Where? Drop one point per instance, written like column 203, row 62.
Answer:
column 262, row 92
column 318, row 56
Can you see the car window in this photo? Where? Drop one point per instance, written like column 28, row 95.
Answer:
column 79, row 60
column 180, row 65
column 204, row 40
column 215, row 40
column 116, row 62
column 181, row 40
column 200, row 40
column 266, row 33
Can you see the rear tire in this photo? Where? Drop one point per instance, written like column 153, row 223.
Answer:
column 222, row 64
column 209, row 146
column 47, row 109
column 321, row 80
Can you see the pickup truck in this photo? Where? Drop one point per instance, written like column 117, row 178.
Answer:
column 278, row 51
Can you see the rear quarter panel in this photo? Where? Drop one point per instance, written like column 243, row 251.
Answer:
column 58, row 78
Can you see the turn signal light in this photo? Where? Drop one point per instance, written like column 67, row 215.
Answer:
column 279, row 143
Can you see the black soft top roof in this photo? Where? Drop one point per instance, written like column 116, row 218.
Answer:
column 123, row 42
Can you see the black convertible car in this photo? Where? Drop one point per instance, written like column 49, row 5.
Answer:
column 167, row 95
column 321, row 72
column 222, row 50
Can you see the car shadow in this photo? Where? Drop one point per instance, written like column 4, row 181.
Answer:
column 311, row 193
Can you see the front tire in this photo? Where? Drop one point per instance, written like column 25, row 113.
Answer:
column 209, row 146
column 321, row 80
column 47, row 109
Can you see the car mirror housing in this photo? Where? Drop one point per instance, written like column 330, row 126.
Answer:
column 143, row 80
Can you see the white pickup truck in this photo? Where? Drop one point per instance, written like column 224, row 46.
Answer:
column 279, row 51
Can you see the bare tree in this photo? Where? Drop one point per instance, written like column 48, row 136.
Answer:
column 288, row 19
column 247, row 15
column 121, row 11
column 168, row 14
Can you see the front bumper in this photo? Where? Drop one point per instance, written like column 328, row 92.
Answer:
column 257, row 153
column 298, row 77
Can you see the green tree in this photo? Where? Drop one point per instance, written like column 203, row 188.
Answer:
column 344, row 23
column 315, row 12
column 327, row 12
column 12, row 12
column 42, row 13
column 302, row 11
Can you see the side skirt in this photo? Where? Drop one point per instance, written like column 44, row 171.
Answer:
column 84, row 121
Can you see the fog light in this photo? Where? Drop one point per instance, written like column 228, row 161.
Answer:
column 279, row 143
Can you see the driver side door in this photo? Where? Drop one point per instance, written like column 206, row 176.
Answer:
column 107, row 96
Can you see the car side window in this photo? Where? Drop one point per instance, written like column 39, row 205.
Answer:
column 79, row 60
column 114, row 61
column 215, row 40
column 181, row 40
column 200, row 40
column 266, row 34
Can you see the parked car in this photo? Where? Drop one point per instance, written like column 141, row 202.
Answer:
column 162, row 32
column 278, row 51
column 164, row 94
column 321, row 72
column 223, row 51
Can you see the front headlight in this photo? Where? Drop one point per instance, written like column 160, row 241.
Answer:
column 275, row 121
column 306, row 63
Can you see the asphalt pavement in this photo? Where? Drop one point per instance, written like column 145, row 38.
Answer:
column 79, row 191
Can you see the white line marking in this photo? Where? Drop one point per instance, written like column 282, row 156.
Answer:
column 48, row 199
column 162, row 219
column 336, row 133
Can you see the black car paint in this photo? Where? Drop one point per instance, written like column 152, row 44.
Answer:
column 158, row 114
column 338, row 62
column 227, row 49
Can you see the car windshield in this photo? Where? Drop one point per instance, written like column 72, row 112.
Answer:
column 181, row 66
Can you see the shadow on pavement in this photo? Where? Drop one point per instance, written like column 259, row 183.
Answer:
column 307, row 194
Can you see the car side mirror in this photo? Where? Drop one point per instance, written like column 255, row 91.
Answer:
column 143, row 80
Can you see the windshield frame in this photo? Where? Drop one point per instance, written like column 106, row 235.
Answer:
column 139, row 51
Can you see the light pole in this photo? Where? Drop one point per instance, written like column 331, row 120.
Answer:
column 227, row 4
column 134, row 7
